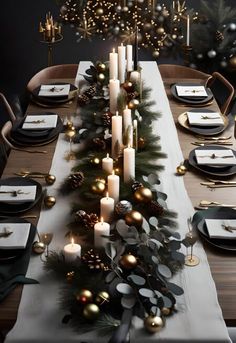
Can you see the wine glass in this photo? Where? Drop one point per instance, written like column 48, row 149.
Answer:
column 46, row 238
column 191, row 260
column 70, row 133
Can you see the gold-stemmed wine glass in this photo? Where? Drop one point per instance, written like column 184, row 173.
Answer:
column 191, row 260
column 70, row 133
column 46, row 238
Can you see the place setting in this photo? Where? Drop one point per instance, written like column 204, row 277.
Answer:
column 191, row 93
column 36, row 129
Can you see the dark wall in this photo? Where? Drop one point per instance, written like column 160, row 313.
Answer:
column 22, row 55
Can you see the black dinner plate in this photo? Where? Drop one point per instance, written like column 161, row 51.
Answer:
column 191, row 100
column 10, row 254
column 216, row 170
column 7, row 208
column 34, row 137
column 54, row 100
column 214, row 213
column 202, row 130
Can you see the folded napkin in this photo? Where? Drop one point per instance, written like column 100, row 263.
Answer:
column 13, row 272
column 13, row 194
column 224, row 157
column 191, row 91
column 14, row 235
column 40, row 122
column 221, row 228
column 205, row 118
column 54, row 90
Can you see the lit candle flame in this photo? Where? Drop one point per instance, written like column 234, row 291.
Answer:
column 102, row 220
column 107, row 195
column 113, row 172
column 107, row 155
column 113, row 50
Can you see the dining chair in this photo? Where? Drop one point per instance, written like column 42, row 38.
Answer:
column 181, row 72
column 7, row 108
column 61, row 71
column 222, row 90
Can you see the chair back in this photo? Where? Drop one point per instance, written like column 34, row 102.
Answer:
column 8, row 113
column 61, row 71
column 222, row 90
column 181, row 72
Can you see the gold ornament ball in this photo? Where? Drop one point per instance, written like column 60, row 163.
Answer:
column 84, row 296
column 141, row 142
column 70, row 133
column 49, row 201
column 153, row 324
column 98, row 186
column 128, row 261
column 143, row 194
column 101, row 67
column 99, row 11
column 91, row 311
column 101, row 77
column 232, row 62
column 102, row 298
column 181, row 169
column 160, row 30
column 118, row 171
column 165, row 311
column 38, row 247
column 95, row 161
column 133, row 104
column 50, row 179
column 128, row 86
column 156, row 54
column 134, row 218
column 69, row 125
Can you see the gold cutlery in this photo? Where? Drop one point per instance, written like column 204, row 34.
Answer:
column 223, row 138
column 30, row 216
column 214, row 156
column 212, row 143
column 13, row 193
column 218, row 182
column 31, row 151
column 204, row 203
column 5, row 233
column 228, row 228
column 35, row 121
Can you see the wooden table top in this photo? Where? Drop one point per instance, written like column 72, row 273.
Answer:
column 222, row 263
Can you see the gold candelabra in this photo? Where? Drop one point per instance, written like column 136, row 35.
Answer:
column 50, row 33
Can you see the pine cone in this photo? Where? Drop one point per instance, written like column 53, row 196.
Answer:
column 91, row 91
column 83, row 99
column 156, row 209
column 136, row 185
column 99, row 143
column 93, row 260
column 75, row 180
column 88, row 220
column 106, row 119
column 132, row 95
column 219, row 36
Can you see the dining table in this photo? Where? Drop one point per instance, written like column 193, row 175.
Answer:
column 210, row 287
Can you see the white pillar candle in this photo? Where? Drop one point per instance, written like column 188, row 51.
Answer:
column 107, row 164
column 116, row 131
column 135, row 76
column 129, row 164
column 188, row 31
column 131, row 136
column 107, row 206
column 114, row 186
column 129, row 57
column 71, row 251
column 101, row 228
column 113, row 64
column 135, row 127
column 114, row 90
column 121, row 63
column 127, row 118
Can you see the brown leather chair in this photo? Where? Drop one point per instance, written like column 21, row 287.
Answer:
column 181, row 72
column 61, row 71
column 222, row 90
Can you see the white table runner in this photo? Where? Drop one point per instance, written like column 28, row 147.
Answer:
column 199, row 317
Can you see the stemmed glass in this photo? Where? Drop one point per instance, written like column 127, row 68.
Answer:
column 191, row 260
column 46, row 238
column 70, row 133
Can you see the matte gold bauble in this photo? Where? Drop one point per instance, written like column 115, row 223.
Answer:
column 133, row 104
column 153, row 324
column 49, row 201
column 98, row 186
column 101, row 77
column 156, row 54
column 99, row 11
column 165, row 311
column 141, row 142
column 84, row 296
column 160, row 30
column 143, row 194
column 102, row 298
column 101, row 67
column 181, row 169
column 91, row 311
column 232, row 62
column 134, row 218
column 38, row 247
column 128, row 86
column 128, row 261
column 95, row 161
column 50, row 179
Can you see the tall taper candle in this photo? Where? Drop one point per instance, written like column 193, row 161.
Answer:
column 135, row 126
column 113, row 64
column 188, row 31
column 114, row 89
column 107, row 164
column 136, row 49
column 129, row 57
column 101, row 228
column 107, row 206
column 114, row 186
column 129, row 164
column 121, row 63
column 116, row 131
column 127, row 119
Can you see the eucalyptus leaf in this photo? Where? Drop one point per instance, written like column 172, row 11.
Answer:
column 155, row 259
column 124, row 288
column 161, row 195
column 153, row 301
column 152, row 179
column 82, row 130
column 156, row 242
column 153, row 221
column 136, row 279
column 178, row 256
column 110, row 277
column 146, row 226
column 145, row 178
column 164, row 271
column 174, row 245
column 155, row 311
column 128, row 301
column 131, row 241
column 162, row 203
column 121, row 227
column 177, row 290
column 146, row 292
column 167, row 301
column 144, row 237
column 110, row 250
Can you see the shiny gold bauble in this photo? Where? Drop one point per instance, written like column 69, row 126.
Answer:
column 84, row 296
column 50, row 179
column 143, row 194
column 99, row 11
column 128, row 86
column 141, row 142
column 95, row 161
column 101, row 77
column 98, row 186
column 181, row 169
column 128, row 261
column 91, row 311
column 49, row 201
column 232, row 62
column 133, row 104
column 101, row 67
column 102, row 298
column 160, row 30
column 38, row 247
column 153, row 324
column 118, row 171
column 69, row 125
column 134, row 218
column 70, row 133
column 165, row 311
column 156, row 54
